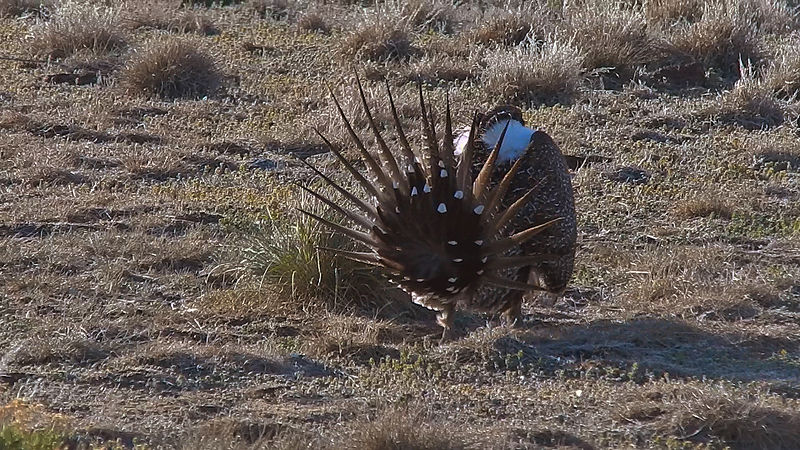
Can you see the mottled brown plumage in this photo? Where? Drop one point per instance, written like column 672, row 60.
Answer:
column 442, row 231
column 542, row 163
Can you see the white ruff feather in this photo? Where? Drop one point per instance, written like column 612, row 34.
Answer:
column 516, row 141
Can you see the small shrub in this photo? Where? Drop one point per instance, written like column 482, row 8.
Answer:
column 172, row 69
column 15, row 438
column 530, row 73
column 380, row 38
column 76, row 25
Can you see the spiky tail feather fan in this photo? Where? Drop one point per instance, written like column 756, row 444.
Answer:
column 433, row 227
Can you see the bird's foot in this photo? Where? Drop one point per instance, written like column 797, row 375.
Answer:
column 447, row 336
column 512, row 320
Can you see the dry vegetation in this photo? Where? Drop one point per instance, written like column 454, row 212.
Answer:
column 157, row 287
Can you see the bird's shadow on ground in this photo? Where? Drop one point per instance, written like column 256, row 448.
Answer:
column 660, row 347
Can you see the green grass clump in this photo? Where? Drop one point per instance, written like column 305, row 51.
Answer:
column 288, row 254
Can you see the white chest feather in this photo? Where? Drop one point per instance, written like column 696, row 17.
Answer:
column 516, row 141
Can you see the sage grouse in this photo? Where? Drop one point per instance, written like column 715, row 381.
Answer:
column 450, row 235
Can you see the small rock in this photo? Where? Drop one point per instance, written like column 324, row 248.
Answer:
column 262, row 164
column 628, row 174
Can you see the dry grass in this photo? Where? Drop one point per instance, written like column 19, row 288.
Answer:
column 401, row 430
column 707, row 206
column 432, row 15
column 314, row 22
column 74, row 26
column 665, row 13
column 751, row 102
column 435, row 70
column 783, row 74
column 378, row 37
column 132, row 310
column 511, row 26
column 534, row 74
column 171, row 68
column 19, row 7
column 726, row 33
column 611, row 36
column 162, row 15
column 721, row 420
column 270, row 9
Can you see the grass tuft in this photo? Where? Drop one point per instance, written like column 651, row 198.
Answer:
column 436, row 15
column 76, row 25
column 529, row 73
column 726, row 34
column 665, row 13
column 172, row 69
column 379, row 38
column 751, row 103
column 287, row 256
column 704, row 207
column 313, row 22
column 162, row 16
column 510, row 26
column 740, row 425
column 400, row 430
column 611, row 36
column 783, row 74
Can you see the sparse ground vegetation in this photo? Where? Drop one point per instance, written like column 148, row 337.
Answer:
column 158, row 288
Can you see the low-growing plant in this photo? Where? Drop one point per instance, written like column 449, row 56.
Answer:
column 172, row 69
column 290, row 255
column 751, row 102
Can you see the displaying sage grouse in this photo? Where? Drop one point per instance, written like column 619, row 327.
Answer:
column 451, row 237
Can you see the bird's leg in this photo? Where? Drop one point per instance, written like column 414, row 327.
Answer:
column 549, row 298
column 512, row 314
column 445, row 319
